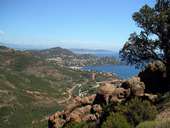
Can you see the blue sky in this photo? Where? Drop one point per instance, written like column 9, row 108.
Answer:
column 93, row 24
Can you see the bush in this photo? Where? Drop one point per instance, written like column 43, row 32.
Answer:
column 154, row 77
column 75, row 125
column 164, row 124
column 116, row 120
column 80, row 125
column 155, row 124
column 139, row 111
column 147, row 124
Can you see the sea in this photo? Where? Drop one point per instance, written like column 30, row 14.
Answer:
column 120, row 70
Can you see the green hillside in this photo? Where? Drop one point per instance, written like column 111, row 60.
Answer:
column 30, row 88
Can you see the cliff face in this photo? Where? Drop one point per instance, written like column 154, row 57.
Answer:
column 90, row 108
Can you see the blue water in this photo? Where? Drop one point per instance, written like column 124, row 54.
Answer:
column 122, row 71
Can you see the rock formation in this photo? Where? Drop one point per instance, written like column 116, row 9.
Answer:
column 108, row 93
column 154, row 77
column 135, row 86
column 79, row 109
column 89, row 108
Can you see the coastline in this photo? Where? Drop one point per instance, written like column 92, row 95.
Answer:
column 119, row 70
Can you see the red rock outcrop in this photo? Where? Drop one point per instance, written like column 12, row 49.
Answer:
column 89, row 108
column 135, row 86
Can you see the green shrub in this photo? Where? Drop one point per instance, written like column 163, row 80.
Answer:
column 80, row 125
column 138, row 110
column 164, row 124
column 155, row 124
column 75, row 125
column 116, row 120
column 147, row 124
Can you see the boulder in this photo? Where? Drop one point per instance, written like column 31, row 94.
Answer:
column 75, row 117
column 72, row 105
column 151, row 97
column 77, row 114
column 120, row 93
column 85, row 100
column 109, row 93
column 104, row 93
column 55, row 121
column 135, row 86
column 106, row 88
column 89, row 117
column 154, row 77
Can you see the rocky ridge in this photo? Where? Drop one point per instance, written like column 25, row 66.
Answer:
column 90, row 108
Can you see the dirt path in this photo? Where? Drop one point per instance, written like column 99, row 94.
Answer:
column 69, row 91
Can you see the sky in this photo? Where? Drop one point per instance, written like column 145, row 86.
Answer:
column 90, row 24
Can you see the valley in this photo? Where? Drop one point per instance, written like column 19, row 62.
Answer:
column 32, row 88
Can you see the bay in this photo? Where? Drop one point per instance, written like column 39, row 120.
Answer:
column 122, row 71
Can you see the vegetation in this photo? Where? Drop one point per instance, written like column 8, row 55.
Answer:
column 30, row 88
column 128, row 114
column 138, row 111
column 154, row 124
column 147, row 124
column 164, row 101
column 163, row 124
column 80, row 125
column 116, row 120
column 153, row 42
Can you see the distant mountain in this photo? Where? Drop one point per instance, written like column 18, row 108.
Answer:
column 53, row 52
column 42, row 50
column 97, row 52
column 88, row 51
column 67, row 58
column 76, row 57
column 20, row 47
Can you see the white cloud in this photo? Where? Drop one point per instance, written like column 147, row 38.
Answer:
column 2, row 32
